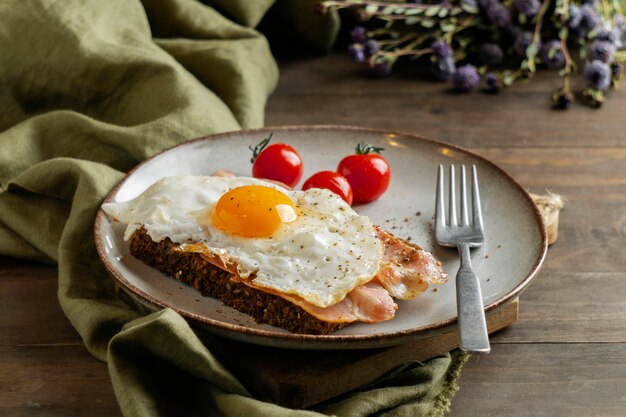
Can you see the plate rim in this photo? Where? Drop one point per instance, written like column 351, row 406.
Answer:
column 315, row 341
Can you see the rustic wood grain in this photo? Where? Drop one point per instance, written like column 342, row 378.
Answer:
column 54, row 380
column 29, row 300
column 544, row 380
column 571, row 307
column 44, row 368
column 334, row 90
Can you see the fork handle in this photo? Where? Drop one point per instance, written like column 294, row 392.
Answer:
column 473, row 335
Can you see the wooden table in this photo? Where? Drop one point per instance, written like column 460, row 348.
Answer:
column 566, row 356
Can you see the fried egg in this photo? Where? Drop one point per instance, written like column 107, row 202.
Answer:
column 307, row 243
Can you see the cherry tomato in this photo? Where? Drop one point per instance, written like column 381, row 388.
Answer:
column 278, row 162
column 367, row 172
column 332, row 181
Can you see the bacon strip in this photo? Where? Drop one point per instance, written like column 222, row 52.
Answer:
column 369, row 303
column 406, row 270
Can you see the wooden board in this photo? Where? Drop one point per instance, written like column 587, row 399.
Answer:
column 292, row 377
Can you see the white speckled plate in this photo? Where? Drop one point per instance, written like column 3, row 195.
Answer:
column 514, row 250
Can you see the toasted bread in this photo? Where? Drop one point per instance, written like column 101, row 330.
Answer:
column 207, row 277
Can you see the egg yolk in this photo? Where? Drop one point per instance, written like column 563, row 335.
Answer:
column 253, row 211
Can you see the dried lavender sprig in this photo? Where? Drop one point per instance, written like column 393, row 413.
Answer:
column 391, row 49
column 328, row 4
column 409, row 13
column 376, row 7
column 531, row 52
column 464, row 24
column 407, row 50
column 563, row 97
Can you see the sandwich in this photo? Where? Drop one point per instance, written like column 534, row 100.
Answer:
column 303, row 261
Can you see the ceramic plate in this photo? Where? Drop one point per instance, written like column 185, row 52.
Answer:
column 514, row 250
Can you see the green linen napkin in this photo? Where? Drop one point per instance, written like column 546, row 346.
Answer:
column 87, row 90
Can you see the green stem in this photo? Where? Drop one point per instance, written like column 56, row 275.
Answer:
column 398, row 41
column 537, row 33
column 405, row 52
column 338, row 4
column 565, row 12
column 466, row 24
column 344, row 4
column 569, row 63
column 539, row 24
column 417, row 41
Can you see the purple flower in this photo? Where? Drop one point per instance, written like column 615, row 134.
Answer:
column 586, row 22
column 358, row 34
column 490, row 54
column 614, row 36
column 575, row 16
column 589, row 18
column 444, row 68
column 552, row 54
column 355, row 50
column 465, row 78
column 441, row 49
column 605, row 34
column 527, row 7
column 371, row 47
column 522, row 42
column 597, row 74
column 497, row 13
column 493, row 84
column 600, row 51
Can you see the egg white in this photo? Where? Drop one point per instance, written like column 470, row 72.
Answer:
column 321, row 256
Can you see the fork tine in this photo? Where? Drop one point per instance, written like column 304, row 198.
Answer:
column 440, row 218
column 464, row 216
column 477, row 212
column 452, row 199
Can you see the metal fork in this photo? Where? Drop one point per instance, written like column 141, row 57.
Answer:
column 464, row 233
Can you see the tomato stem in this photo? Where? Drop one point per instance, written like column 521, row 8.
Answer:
column 363, row 148
column 256, row 150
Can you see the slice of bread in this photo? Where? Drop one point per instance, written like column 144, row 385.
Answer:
column 194, row 270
